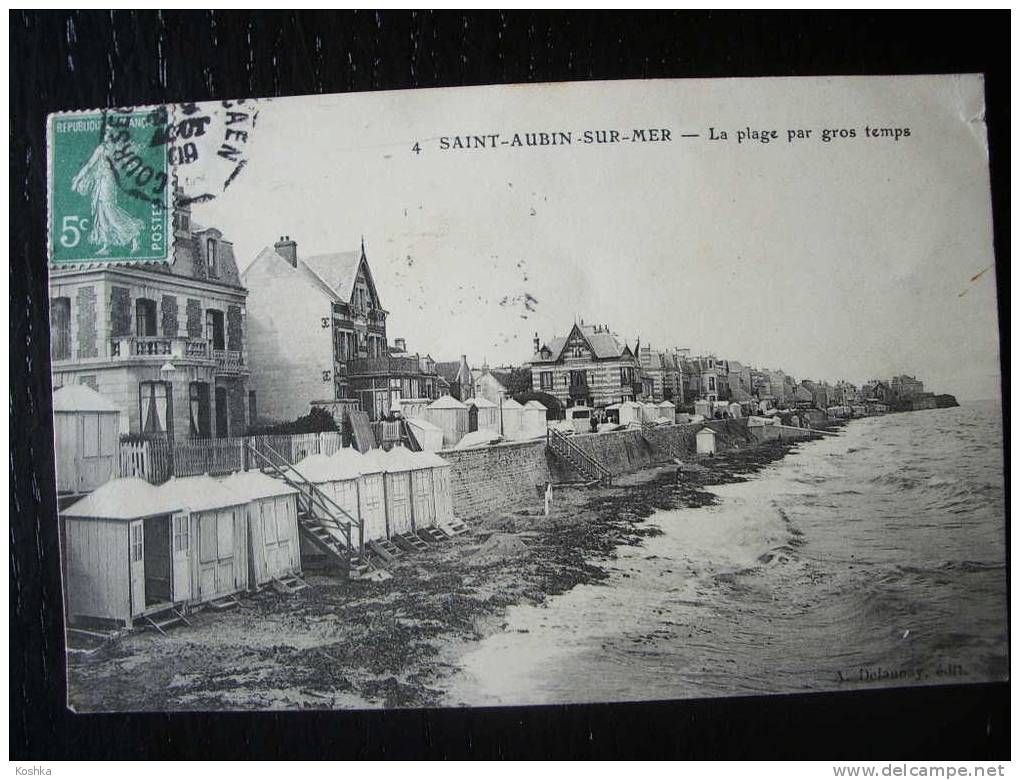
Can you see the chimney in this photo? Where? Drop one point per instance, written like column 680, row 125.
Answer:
column 400, row 345
column 287, row 249
column 537, row 344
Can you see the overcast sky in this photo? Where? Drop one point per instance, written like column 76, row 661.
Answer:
column 849, row 259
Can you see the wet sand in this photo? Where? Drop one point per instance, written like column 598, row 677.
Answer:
column 393, row 643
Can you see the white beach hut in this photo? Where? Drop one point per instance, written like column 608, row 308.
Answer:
column 534, row 416
column 483, row 413
column 127, row 552
column 512, row 414
column 442, row 486
column 705, row 441
column 219, row 531
column 274, row 543
column 86, row 429
column 667, row 411
column 396, row 488
column 450, row 416
column 630, row 412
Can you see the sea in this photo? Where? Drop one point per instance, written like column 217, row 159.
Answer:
column 873, row 558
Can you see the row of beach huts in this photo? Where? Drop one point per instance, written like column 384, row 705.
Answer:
column 134, row 551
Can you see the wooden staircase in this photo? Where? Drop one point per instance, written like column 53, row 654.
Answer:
column 583, row 463
column 327, row 526
column 291, row 584
column 385, row 549
column 410, row 542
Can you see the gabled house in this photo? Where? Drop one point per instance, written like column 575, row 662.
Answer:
column 906, row 388
column 589, row 366
column 876, row 390
column 492, row 383
column 317, row 333
column 662, row 368
column 166, row 343
column 459, row 377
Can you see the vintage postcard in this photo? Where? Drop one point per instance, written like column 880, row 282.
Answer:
column 528, row 394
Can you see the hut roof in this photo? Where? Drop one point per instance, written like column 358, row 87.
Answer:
column 446, row 402
column 198, row 493
column 80, row 398
column 124, row 498
column 667, row 405
column 533, row 404
column 254, row 485
column 350, row 461
column 402, row 459
column 706, row 430
column 320, row 468
column 630, row 405
column 510, row 403
column 480, row 403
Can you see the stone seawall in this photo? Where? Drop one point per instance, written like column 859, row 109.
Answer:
column 514, row 474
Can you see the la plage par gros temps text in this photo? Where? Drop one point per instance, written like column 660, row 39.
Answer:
column 744, row 135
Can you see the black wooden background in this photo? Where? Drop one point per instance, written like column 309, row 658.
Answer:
column 91, row 59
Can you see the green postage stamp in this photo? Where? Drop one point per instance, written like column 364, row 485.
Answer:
column 109, row 186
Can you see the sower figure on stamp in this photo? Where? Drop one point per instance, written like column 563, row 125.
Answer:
column 110, row 223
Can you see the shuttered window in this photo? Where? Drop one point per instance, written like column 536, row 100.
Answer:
column 137, row 548
column 182, row 534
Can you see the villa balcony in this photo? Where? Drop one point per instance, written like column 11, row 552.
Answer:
column 178, row 348
column 383, row 366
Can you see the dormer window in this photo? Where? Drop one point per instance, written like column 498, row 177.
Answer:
column 210, row 257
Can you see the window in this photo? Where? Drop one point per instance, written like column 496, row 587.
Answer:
column 137, row 547
column 578, row 379
column 145, row 317
column 214, row 328
column 210, row 257
column 626, row 375
column 154, row 406
column 711, row 384
column 60, row 328
column 252, row 408
column 198, row 400
column 182, row 533
column 546, row 380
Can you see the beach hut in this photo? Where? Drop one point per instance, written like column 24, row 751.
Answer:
column 534, row 416
column 735, row 411
column 483, row 415
column 442, row 486
column 127, row 553
column 705, row 441
column 337, row 476
column 274, row 543
column 450, row 416
column 423, row 492
column 704, row 408
column 630, row 412
column 429, row 436
column 371, row 506
column 511, row 413
column 86, row 429
column 396, row 488
column 667, row 411
column 218, row 535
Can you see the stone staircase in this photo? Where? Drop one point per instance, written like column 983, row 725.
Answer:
column 579, row 459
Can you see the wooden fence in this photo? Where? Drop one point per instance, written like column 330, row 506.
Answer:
column 156, row 460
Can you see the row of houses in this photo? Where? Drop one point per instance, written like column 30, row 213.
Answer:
column 195, row 349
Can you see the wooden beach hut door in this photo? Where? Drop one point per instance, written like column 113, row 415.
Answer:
column 216, row 553
column 136, row 565
column 423, row 495
column 180, row 564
